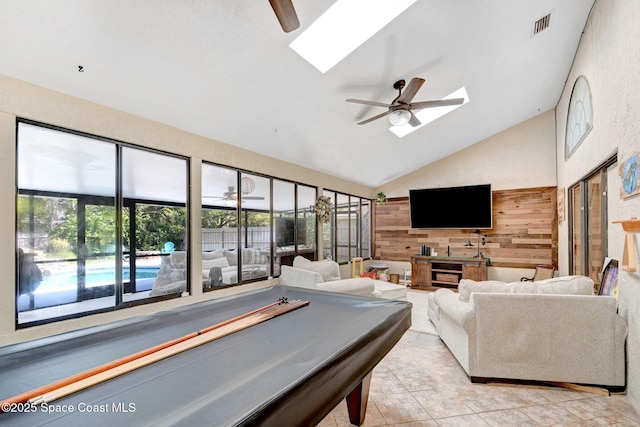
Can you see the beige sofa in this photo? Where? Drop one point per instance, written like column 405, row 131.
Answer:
column 552, row 330
column 325, row 275
column 219, row 268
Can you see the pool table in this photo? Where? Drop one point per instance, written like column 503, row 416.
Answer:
column 291, row 370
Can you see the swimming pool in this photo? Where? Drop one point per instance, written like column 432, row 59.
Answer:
column 62, row 287
column 100, row 276
column 94, row 276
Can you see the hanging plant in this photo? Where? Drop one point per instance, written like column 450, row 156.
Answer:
column 324, row 208
column 380, row 198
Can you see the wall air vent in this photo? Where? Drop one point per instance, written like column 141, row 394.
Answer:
column 541, row 24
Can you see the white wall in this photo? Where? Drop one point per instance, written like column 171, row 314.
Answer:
column 520, row 157
column 609, row 56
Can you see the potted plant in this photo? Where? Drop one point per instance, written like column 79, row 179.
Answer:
column 380, row 198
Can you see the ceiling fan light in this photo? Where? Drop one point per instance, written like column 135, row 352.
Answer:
column 399, row 117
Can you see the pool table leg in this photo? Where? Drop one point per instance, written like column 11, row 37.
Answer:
column 357, row 401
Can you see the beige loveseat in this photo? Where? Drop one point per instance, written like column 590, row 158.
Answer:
column 219, row 268
column 325, row 275
column 551, row 330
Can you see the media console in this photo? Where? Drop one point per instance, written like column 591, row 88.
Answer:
column 433, row 272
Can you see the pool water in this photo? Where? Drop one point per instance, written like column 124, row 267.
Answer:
column 98, row 276
column 62, row 287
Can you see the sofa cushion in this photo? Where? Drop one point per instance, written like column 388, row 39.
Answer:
column 213, row 255
column 466, row 286
column 291, row 276
column 216, row 262
column 169, row 288
column 564, row 285
column 389, row 290
column 208, row 264
column 449, row 305
column 356, row 286
column 329, row 270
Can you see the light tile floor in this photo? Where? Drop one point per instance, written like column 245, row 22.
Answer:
column 419, row 383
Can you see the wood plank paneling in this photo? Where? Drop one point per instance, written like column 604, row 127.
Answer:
column 524, row 232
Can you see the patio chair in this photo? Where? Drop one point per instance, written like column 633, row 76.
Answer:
column 169, row 247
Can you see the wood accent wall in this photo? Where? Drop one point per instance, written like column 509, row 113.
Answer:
column 524, row 233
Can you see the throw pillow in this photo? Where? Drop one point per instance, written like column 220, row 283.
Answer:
column 231, row 256
column 253, row 256
column 207, row 264
column 329, row 270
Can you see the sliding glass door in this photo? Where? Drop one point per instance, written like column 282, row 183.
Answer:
column 588, row 223
column 93, row 217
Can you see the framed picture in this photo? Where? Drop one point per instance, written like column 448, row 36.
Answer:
column 629, row 171
column 609, row 285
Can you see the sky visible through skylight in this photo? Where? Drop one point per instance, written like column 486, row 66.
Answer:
column 428, row 115
column 343, row 28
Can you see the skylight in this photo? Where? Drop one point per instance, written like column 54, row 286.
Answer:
column 343, row 27
column 428, row 115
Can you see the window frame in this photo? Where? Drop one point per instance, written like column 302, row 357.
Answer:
column 580, row 261
column 240, row 213
column 354, row 243
column 118, row 201
column 303, row 212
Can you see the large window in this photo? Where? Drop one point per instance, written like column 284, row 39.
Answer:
column 588, row 223
column 92, row 220
column 155, row 223
column 294, row 222
column 348, row 232
column 248, row 234
column 102, row 224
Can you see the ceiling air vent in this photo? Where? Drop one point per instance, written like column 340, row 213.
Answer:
column 541, row 24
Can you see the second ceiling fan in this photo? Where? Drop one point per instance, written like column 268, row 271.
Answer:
column 286, row 14
column 400, row 110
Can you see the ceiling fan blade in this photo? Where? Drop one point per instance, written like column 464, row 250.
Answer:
column 252, row 198
column 414, row 120
column 286, row 14
column 375, row 104
column 364, row 122
column 410, row 91
column 440, row 103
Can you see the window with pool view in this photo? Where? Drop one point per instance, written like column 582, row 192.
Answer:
column 249, row 226
column 102, row 224
column 74, row 193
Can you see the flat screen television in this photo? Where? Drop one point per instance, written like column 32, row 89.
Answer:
column 465, row 207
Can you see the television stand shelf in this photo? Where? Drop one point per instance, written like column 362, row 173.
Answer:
column 433, row 272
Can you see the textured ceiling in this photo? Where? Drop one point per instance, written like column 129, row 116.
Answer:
column 223, row 69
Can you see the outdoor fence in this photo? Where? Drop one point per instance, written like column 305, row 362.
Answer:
column 227, row 238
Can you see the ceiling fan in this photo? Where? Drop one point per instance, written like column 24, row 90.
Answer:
column 286, row 14
column 400, row 111
column 231, row 195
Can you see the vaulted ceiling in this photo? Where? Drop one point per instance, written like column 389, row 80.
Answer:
column 223, row 69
